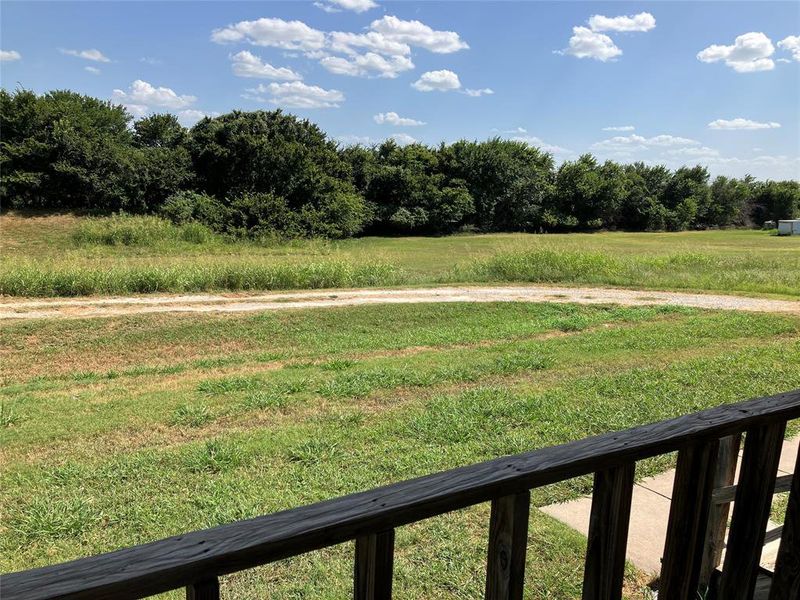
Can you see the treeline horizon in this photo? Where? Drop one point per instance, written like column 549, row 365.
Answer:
column 268, row 173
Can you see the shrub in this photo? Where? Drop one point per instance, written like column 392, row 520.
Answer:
column 192, row 207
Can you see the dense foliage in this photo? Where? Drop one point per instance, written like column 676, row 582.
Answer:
column 266, row 173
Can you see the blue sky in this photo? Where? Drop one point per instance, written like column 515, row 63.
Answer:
column 716, row 83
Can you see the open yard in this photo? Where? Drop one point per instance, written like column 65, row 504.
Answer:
column 122, row 430
column 67, row 255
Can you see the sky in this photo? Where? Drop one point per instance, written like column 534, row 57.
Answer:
column 712, row 83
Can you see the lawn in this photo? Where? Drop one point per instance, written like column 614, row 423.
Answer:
column 124, row 430
column 65, row 255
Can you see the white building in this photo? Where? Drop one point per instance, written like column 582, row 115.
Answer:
column 789, row 227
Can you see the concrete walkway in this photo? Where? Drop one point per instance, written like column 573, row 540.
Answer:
column 650, row 512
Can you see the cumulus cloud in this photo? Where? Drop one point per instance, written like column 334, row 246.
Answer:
column 439, row 81
column 296, row 94
column 638, row 142
column 586, row 43
column 693, row 151
column 392, row 118
column 92, row 70
column 92, row 54
column 367, row 65
column 750, row 52
column 641, row 22
column 620, row 128
column 351, row 43
column 9, row 55
column 415, row 33
column 141, row 93
column 792, row 45
column 479, row 92
column 532, row 140
column 740, row 123
column 190, row 116
column 247, row 64
column 403, row 139
column 273, row 32
column 358, row 6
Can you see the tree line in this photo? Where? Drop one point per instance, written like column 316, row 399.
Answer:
column 270, row 173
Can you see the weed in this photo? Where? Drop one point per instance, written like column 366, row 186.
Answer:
column 187, row 415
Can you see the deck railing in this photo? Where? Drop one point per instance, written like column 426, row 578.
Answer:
column 196, row 560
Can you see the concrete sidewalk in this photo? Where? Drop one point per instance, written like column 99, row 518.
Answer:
column 650, row 512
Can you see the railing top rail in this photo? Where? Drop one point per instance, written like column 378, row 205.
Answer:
column 178, row 561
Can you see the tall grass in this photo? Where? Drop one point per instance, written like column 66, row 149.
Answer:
column 745, row 272
column 133, row 230
column 35, row 279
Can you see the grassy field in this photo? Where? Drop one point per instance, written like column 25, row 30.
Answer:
column 67, row 255
column 119, row 431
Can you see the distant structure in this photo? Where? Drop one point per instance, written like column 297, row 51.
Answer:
column 789, row 227
column 769, row 225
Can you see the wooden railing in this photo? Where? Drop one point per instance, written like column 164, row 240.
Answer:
column 196, row 560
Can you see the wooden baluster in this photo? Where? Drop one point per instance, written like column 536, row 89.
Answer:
column 508, row 542
column 786, row 580
column 608, row 533
column 206, row 589
column 372, row 579
column 688, row 520
column 762, row 450
column 727, row 459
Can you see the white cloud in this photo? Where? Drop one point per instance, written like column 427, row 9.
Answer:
column 620, row 128
column 9, row 55
column 392, row 118
column 367, row 65
column 532, row 140
column 149, row 60
column 350, row 43
column 92, row 54
column 740, row 123
column 641, row 22
column 790, row 44
column 693, row 151
column 750, row 52
column 479, row 92
column 638, row 142
column 403, row 139
column 441, row 81
column 190, row 116
column 142, row 93
column 246, row 64
column 353, row 140
column 296, row 94
column 415, row 33
column 586, row 43
column 517, row 130
column 358, row 6
column 137, row 110
column 92, row 70
column 277, row 33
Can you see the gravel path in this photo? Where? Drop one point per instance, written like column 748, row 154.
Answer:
column 61, row 308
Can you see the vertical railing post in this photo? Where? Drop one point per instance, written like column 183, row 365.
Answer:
column 372, row 577
column 688, row 519
column 762, row 451
column 786, row 579
column 727, row 459
column 608, row 533
column 508, row 541
column 205, row 589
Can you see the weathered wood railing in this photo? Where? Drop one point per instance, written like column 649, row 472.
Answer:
column 196, row 560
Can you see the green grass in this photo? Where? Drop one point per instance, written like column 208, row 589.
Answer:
column 129, row 429
column 66, row 255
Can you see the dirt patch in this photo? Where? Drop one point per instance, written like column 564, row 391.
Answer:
column 59, row 308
